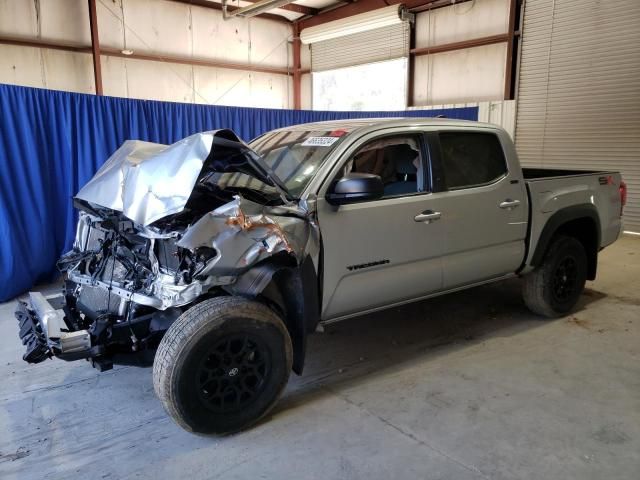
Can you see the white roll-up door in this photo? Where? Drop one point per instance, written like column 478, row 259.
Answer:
column 578, row 102
column 376, row 45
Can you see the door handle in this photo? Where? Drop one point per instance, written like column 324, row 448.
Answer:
column 427, row 216
column 508, row 203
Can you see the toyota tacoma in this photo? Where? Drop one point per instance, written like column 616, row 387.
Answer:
column 213, row 259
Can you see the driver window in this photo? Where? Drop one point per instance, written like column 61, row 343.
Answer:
column 396, row 160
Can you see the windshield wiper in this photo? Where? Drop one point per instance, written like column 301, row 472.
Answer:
column 267, row 171
column 257, row 167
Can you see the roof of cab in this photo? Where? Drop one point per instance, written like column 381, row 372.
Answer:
column 362, row 123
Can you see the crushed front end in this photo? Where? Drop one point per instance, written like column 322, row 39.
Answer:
column 146, row 250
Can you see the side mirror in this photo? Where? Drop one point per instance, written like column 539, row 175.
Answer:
column 355, row 187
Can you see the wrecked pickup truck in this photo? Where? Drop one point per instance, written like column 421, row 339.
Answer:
column 214, row 259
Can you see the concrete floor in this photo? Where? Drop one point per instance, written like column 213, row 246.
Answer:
column 466, row 386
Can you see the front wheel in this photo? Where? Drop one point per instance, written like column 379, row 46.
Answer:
column 222, row 365
column 555, row 286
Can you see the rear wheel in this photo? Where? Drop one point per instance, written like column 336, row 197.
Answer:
column 555, row 286
column 222, row 365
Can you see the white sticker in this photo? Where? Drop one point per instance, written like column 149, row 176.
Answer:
column 320, row 141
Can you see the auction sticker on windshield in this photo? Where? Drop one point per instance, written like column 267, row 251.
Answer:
column 320, row 141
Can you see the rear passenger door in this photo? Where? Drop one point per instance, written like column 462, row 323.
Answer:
column 484, row 210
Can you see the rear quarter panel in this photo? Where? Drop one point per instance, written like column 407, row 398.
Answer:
column 550, row 195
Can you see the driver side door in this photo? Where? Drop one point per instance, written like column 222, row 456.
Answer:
column 382, row 252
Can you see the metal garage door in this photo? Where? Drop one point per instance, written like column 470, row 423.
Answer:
column 579, row 89
column 377, row 45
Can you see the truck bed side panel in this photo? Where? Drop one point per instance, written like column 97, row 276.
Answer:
column 552, row 194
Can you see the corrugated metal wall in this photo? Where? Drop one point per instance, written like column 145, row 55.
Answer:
column 579, row 89
column 377, row 45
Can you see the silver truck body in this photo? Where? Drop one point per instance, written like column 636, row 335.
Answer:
column 364, row 256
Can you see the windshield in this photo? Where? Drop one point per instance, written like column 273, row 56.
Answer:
column 294, row 156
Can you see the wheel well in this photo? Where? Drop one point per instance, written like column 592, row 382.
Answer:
column 585, row 231
column 578, row 221
column 291, row 291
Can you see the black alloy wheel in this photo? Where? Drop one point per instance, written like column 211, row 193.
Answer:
column 554, row 287
column 564, row 281
column 222, row 365
column 233, row 373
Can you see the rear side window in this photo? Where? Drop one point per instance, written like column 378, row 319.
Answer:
column 471, row 159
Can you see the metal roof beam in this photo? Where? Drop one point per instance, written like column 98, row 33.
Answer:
column 294, row 7
column 114, row 52
column 336, row 12
column 218, row 6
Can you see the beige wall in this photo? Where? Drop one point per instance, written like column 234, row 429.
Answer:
column 472, row 74
column 148, row 26
column 498, row 112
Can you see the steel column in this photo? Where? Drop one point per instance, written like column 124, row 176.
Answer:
column 508, row 90
column 297, row 74
column 95, row 46
column 411, row 73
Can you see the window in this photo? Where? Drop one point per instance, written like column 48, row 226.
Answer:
column 373, row 86
column 293, row 155
column 396, row 160
column 471, row 159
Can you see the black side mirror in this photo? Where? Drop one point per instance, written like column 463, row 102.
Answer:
column 355, row 187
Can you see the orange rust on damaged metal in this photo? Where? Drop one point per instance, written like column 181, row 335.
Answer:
column 274, row 228
column 246, row 224
column 240, row 220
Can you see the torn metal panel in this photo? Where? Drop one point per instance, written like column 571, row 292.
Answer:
column 243, row 233
column 148, row 181
column 131, row 261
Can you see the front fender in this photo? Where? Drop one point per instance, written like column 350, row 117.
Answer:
column 291, row 288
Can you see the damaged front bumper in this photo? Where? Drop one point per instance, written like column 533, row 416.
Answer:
column 166, row 294
column 44, row 332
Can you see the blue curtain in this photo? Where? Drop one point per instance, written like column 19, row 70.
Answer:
column 51, row 143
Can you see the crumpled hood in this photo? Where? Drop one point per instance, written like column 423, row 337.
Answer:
column 148, row 181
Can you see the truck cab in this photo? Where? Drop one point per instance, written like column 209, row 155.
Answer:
column 454, row 212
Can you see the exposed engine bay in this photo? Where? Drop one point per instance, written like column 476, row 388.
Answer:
column 160, row 228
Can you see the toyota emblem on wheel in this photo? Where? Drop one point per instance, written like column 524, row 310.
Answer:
column 233, row 372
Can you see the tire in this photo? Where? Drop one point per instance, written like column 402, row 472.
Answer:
column 222, row 365
column 555, row 286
